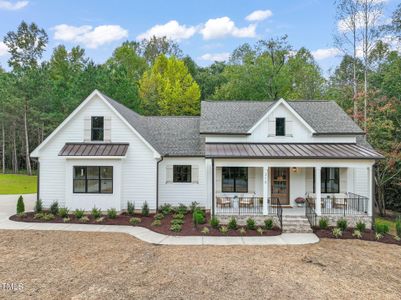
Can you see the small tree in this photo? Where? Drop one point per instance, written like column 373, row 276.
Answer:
column 145, row 209
column 20, row 205
column 38, row 206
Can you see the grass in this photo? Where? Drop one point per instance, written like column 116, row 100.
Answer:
column 390, row 223
column 17, row 184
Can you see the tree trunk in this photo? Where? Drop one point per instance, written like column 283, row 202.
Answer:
column 381, row 205
column 365, row 56
column 14, row 152
column 354, row 83
column 27, row 158
column 3, row 148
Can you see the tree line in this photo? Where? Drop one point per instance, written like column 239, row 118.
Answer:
column 154, row 77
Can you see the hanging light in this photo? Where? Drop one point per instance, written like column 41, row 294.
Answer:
column 294, row 169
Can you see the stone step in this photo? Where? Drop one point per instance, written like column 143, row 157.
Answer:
column 296, row 224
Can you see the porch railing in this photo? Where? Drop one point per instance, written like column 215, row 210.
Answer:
column 275, row 208
column 239, row 205
column 310, row 213
column 350, row 205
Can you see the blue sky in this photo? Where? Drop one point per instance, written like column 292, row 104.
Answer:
column 205, row 30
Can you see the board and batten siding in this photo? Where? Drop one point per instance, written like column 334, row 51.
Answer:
column 136, row 172
column 175, row 193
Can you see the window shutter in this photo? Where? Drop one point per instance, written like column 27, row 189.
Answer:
column 87, row 129
column 195, row 174
column 107, row 129
column 169, row 174
column 288, row 127
column 272, row 128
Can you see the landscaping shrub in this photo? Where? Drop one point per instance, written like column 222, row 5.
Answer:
column 260, row 230
column 179, row 216
column 250, row 224
column 242, row 230
column 79, row 213
column 182, row 209
column 166, row 209
column 135, row 221
column 145, row 209
column 198, row 217
column 47, row 217
column 214, row 222
column 337, row 232
column 38, row 206
column 130, row 208
column 112, row 213
column 381, row 228
column 54, row 208
column 38, row 215
column 269, row 224
column 361, row 226
column 176, row 227
column 357, row 233
column 194, row 206
column 232, row 224
column 205, row 230
column 156, row 223
column 99, row 220
column 84, row 219
column 66, row 220
column 63, row 212
column 20, row 205
column 323, row 223
column 398, row 226
column 378, row 236
column 158, row 216
column 342, row 224
column 96, row 212
column 176, row 221
column 223, row 230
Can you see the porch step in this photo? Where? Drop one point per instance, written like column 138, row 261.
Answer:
column 296, row 224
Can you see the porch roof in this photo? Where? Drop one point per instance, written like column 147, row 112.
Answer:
column 287, row 150
column 94, row 149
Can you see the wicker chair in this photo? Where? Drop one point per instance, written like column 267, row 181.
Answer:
column 246, row 202
column 223, row 202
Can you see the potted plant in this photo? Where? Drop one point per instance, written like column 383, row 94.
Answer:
column 300, row 201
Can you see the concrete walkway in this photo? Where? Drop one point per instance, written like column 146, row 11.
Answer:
column 8, row 204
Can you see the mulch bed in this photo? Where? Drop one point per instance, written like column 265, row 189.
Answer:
column 367, row 235
column 188, row 228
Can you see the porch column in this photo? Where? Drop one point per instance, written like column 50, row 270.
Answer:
column 318, row 200
column 265, row 190
column 370, row 191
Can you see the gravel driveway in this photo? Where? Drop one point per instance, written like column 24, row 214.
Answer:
column 82, row 265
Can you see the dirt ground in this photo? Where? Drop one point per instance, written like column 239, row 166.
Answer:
column 79, row 265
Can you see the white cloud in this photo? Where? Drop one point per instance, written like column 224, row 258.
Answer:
column 222, row 27
column 259, row 15
column 8, row 5
column 172, row 30
column 321, row 54
column 91, row 37
column 3, row 49
column 215, row 56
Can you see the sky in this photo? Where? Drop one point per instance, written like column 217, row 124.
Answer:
column 207, row 30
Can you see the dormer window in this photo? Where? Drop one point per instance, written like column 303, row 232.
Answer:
column 280, row 126
column 97, row 129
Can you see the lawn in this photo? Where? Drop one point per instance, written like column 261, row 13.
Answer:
column 17, row 184
column 390, row 223
column 84, row 265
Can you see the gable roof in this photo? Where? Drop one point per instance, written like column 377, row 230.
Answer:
column 238, row 117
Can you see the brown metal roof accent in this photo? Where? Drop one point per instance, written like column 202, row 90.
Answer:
column 287, row 150
column 92, row 149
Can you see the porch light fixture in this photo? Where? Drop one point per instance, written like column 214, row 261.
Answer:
column 294, row 169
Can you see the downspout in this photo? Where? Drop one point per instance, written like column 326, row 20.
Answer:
column 212, row 186
column 157, row 183
column 38, row 178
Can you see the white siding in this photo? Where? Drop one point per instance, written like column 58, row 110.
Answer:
column 185, row 193
column 297, row 184
column 138, row 169
column 361, row 184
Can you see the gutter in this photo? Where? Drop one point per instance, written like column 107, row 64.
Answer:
column 157, row 183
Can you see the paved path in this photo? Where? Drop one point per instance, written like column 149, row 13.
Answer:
column 8, row 204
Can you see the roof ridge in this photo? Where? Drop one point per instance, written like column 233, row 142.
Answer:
column 171, row 117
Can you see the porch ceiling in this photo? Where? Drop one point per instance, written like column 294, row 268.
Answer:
column 287, row 150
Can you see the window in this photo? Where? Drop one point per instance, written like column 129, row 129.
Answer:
column 234, row 180
column 330, row 180
column 182, row 173
column 93, row 179
column 280, row 126
column 97, row 132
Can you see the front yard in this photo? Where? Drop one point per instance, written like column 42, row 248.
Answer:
column 113, row 266
column 17, row 184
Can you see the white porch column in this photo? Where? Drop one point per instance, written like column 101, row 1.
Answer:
column 370, row 191
column 265, row 190
column 318, row 185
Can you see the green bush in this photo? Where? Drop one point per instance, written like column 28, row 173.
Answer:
column 381, row 228
column 198, row 217
column 145, row 209
column 250, row 224
column 342, row 224
column 323, row 223
column 176, row 221
column 84, row 219
column 63, row 212
column 47, row 217
column 130, row 208
column 194, row 206
column 166, row 209
column 337, row 232
column 378, row 236
column 38, row 206
column 398, row 227
column 223, row 230
column 269, row 224
column 38, row 215
column 361, row 226
column 260, row 230
column 79, row 213
column 135, row 221
column 156, row 223
column 54, row 208
column 179, row 216
column 357, row 234
column 214, row 222
column 112, row 213
column 176, row 227
column 232, row 224
column 205, row 230
column 158, row 216
column 20, row 205
column 182, row 209
column 96, row 212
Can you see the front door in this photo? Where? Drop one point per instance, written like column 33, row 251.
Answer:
column 280, row 184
